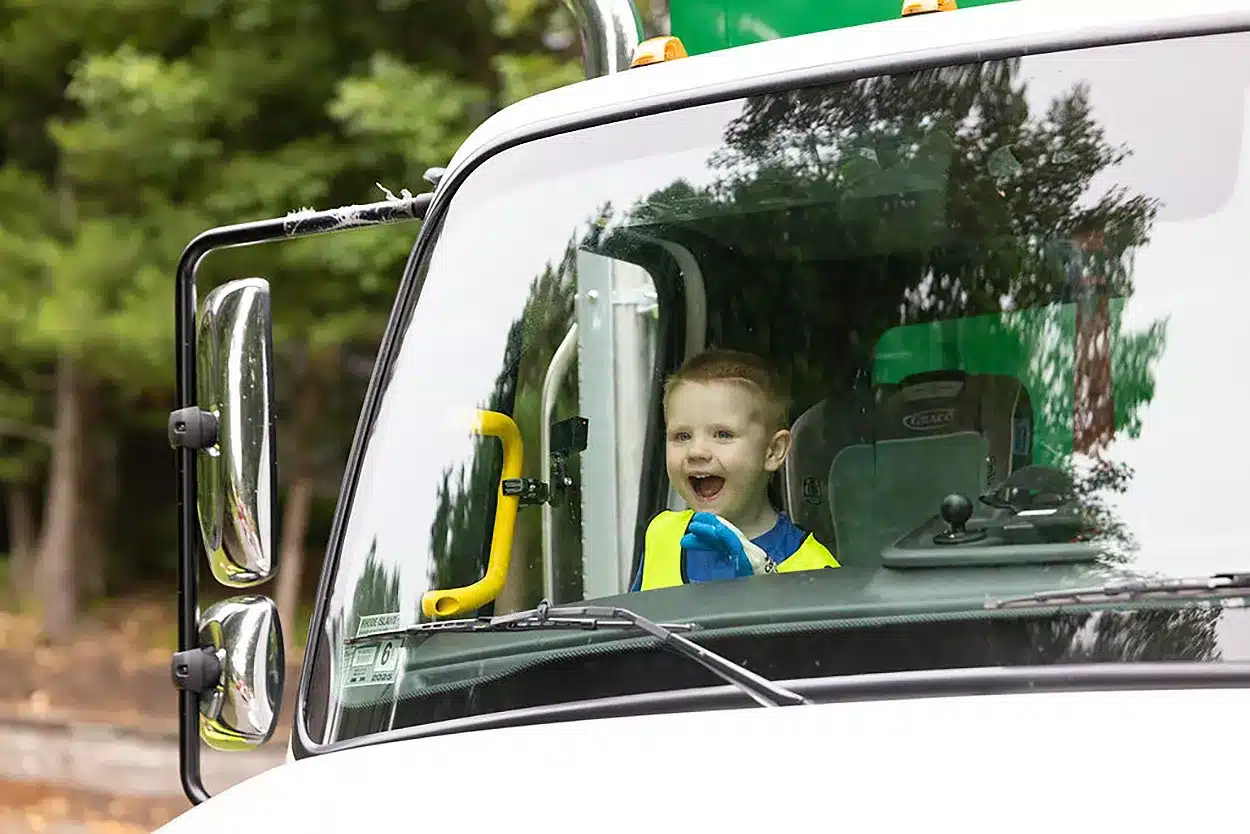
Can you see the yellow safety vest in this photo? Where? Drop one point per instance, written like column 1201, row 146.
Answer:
column 661, row 560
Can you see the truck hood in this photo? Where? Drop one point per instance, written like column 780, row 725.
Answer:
column 1121, row 759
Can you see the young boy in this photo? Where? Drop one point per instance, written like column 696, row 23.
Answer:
column 725, row 421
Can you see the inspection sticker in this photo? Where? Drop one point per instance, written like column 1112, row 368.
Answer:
column 375, row 664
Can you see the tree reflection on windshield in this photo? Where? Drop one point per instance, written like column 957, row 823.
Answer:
column 839, row 213
column 932, row 197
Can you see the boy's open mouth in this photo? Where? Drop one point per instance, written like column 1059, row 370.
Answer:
column 706, row 486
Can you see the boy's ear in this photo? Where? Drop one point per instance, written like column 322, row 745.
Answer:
column 778, row 449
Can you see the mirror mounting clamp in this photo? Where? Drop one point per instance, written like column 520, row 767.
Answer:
column 192, row 428
column 529, row 491
column 195, row 670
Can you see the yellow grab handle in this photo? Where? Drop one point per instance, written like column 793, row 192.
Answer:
column 454, row 600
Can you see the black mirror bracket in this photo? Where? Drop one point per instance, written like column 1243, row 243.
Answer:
column 195, row 670
column 567, row 437
column 192, row 428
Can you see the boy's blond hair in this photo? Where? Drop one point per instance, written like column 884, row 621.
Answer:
column 745, row 369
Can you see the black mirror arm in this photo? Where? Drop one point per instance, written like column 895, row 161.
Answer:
column 295, row 225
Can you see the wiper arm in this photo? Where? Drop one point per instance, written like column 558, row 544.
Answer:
column 1220, row 584
column 594, row 617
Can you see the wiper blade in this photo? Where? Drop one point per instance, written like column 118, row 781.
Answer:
column 1220, row 584
column 594, row 617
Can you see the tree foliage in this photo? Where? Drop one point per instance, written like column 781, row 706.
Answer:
column 128, row 127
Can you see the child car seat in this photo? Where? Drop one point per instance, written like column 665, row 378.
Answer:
column 867, row 468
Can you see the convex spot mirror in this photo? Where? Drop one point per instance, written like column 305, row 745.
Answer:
column 242, row 637
column 232, row 429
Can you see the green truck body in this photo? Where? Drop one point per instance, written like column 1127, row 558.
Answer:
column 709, row 25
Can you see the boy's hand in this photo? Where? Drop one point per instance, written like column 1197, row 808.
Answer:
column 710, row 532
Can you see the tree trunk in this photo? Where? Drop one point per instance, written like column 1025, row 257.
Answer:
column 291, row 559
column 306, row 410
column 56, row 575
column 22, row 544
column 516, row 592
column 96, row 500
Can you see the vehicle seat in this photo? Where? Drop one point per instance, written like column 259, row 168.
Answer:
column 868, row 467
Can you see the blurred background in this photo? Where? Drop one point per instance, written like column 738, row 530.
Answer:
column 127, row 127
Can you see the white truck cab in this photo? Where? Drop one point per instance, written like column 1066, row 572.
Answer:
column 995, row 258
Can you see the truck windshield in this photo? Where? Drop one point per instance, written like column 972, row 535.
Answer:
column 1006, row 303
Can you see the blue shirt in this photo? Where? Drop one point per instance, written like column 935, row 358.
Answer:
column 779, row 543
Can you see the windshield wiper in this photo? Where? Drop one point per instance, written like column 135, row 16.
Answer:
column 1220, row 584
column 594, row 617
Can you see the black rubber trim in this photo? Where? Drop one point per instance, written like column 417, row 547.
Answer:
column 941, row 683
column 410, row 286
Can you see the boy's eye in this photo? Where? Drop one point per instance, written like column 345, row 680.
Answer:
column 680, row 436
column 724, row 434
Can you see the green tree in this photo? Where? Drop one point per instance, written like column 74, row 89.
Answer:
column 129, row 128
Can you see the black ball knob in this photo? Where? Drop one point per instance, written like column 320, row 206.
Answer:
column 956, row 510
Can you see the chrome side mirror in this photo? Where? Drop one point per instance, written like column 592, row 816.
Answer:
column 236, row 474
column 223, row 378
column 241, row 638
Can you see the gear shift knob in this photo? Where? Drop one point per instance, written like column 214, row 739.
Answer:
column 956, row 509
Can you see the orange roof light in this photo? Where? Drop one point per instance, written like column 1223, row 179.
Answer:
column 657, row 51
column 927, row 6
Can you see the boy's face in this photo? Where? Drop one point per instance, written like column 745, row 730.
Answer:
column 720, row 452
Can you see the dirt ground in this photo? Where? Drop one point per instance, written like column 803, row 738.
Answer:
column 114, row 674
column 27, row 806
column 114, row 670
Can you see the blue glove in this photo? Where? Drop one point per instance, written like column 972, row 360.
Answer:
column 707, row 532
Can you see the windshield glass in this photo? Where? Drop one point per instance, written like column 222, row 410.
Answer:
column 991, row 317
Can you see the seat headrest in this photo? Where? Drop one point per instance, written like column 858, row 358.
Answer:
column 925, row 405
